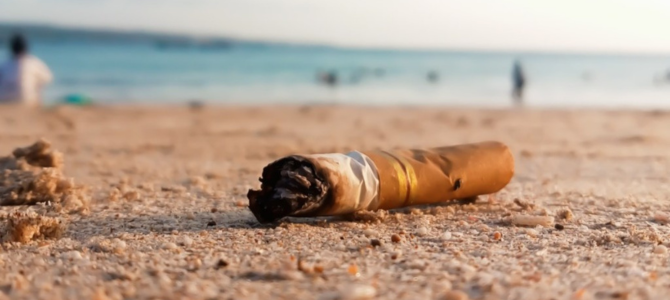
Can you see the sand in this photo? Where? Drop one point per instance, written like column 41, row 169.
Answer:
column 168, row 216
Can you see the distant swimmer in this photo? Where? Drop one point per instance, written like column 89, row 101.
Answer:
column 328, row 78
column 433, row 76
column 662, row 78
column 23, row 76
column 518, row 81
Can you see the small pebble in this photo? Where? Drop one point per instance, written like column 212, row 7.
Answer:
column 484, row 279
column 195, row 264
column 340, row 247
column 131, row 196
column 211, row 223
column 422, row 231
column 395, row 238
column 579, row 294
column 483, row 228
column 446, row 235
column 73, row 255
column 661, row 218
column 497, row 236
column 353, row 270
column 291, row 275
column 531, row 232
column 369, row 232
column 186, row 241
column 444, row 286
column 532, row 221
column 169, row 246
column 660, row 249
column 221, row 264
column 375, row 242
column 559, row 227
column 454, row 295
column 358, row 292
column 566, row 214
column 525, row 205
column 118, row 245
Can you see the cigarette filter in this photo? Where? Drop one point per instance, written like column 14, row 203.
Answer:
column 338, row 183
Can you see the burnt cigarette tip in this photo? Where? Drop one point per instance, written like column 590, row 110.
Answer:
column 266, row 211
column 289, row 186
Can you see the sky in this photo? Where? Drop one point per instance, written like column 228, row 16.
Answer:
column 616, row 26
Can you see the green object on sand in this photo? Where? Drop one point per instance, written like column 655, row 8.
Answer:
column 77, row 99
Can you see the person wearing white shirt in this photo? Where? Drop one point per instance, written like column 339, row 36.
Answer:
column 23, row 76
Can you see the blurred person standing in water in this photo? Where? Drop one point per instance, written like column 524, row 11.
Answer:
column 518, row 82
column 23, row 76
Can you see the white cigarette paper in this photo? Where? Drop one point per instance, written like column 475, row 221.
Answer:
column 356, row 177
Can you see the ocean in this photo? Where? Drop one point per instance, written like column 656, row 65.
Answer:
column 117, row 73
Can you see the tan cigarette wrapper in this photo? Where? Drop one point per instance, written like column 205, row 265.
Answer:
column 414, row 177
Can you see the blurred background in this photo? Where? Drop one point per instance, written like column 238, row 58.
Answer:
column 601, row 53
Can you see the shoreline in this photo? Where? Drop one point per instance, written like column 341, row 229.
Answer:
column 419, row 106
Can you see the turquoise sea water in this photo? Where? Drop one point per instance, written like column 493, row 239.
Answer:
column 122, row 73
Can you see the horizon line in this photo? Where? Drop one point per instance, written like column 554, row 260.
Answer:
column 323, row 44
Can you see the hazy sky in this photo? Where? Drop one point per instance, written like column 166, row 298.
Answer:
column 536, row 25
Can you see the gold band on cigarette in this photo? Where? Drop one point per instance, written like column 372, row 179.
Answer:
column 406, row 177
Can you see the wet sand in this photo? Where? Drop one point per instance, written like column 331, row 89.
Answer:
column 168, row 216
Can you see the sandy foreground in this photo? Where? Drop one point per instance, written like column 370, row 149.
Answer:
column 168, row 216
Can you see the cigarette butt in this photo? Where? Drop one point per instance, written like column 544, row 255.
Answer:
column 532, row 221
column 337, row 184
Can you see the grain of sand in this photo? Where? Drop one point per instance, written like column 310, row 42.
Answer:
column 168, row 218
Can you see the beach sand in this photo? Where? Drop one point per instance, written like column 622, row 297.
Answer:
column 168, row 216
